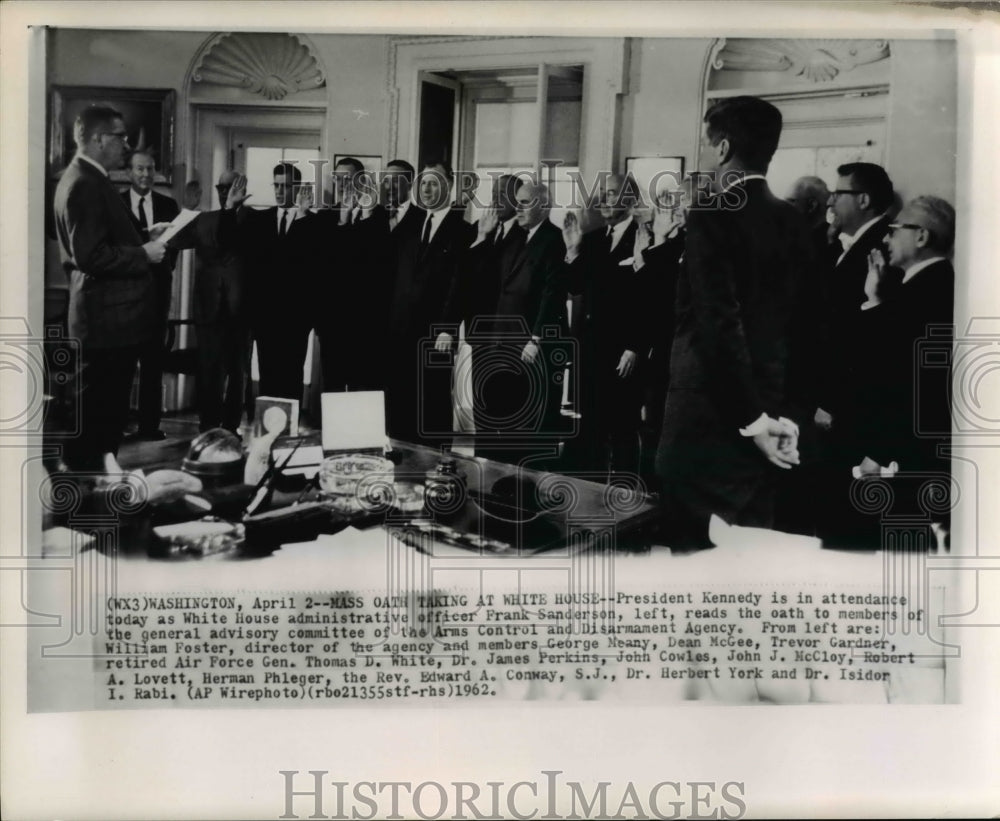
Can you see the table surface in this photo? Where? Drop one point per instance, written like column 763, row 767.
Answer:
column 567, row 509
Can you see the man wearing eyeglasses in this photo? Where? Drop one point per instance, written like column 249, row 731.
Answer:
column 112, row 306
column 893, row 434
column 614, row 330
column 859, row 203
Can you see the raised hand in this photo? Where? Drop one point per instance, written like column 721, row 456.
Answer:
column 238, row 193
column 643, row 239
column 488, row 222
column 876, row 271
column 665, row 222
column 572, row 234
column 304, row 199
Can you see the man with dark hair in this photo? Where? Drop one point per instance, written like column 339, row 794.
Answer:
column 427, row 260
column 614, row 331
column 860, row 204
column 396, row 184
column 112, row 306
column 278, row 250
column 722, row 434
column 148, row 206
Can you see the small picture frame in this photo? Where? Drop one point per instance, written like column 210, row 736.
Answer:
column 149, row 120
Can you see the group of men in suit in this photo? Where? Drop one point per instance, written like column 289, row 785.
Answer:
column 704, row 332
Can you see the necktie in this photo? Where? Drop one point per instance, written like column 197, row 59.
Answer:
column 281, row 226
column 143, row 222
column 426, row 237
column 499, row 237
column 393, row 216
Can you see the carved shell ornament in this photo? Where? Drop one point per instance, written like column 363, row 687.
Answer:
column 817, row 60
column 271, row 65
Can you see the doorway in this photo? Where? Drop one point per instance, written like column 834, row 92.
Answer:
column 251, row 140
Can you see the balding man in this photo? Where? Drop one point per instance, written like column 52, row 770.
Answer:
column 615, row 333
column 521, row 303
column 220, row 315
column 904, row 417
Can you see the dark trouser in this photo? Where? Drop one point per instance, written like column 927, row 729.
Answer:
column 515, row 404
column 418, row 396
column 800, row 491
column 350, row 362
column 611, row 407
column 223, row 371
column 684, row 526
column 281, row 356
column 103, row 390
column 151, row 360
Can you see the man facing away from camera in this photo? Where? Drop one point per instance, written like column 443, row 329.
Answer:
column 112, row 301
column 723, row 436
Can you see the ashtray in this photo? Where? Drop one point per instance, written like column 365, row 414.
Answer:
column 340, row 475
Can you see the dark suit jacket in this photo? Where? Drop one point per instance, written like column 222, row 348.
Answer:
column 280, row 272
column 615, row 296
column 902, row 402
column 738, row 285
column 111, row 299
column 845, row 291
column 518, row 280
column 219, row 286
column 164, row 208
column 425, row 278
column 663, row 262
column 161, row 208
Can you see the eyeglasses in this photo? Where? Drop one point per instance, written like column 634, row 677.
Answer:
column 121, row 135
column 837, row 192
column 893, row 226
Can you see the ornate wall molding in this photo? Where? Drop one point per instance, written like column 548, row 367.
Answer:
column 271, row 66
column 817, row 61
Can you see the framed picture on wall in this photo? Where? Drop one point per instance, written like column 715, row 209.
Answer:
column 655, row 175
column 149, row 120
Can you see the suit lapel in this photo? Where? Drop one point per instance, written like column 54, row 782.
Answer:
column 520, row 255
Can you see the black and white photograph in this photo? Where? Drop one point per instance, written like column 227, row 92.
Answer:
column 513, row 410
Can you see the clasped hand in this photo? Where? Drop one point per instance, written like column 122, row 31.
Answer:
column 779, row 442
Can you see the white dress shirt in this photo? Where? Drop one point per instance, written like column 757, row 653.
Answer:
column 617, row 231
column 147, row 204
column 436, row 217
column 847, row 240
